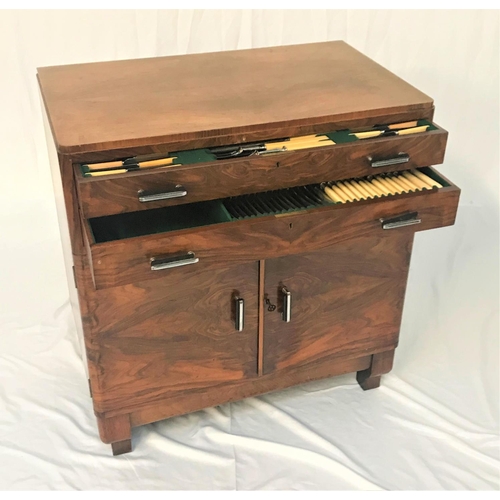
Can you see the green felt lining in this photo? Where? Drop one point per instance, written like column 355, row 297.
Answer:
column 192, row 156
column 242, row 207
column 158, row 220
column 433, row 175
column 191, row 215
column 344, row 136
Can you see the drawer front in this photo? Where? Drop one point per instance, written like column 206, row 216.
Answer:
column 205, row 181
column 174, row 335
column 129, row 260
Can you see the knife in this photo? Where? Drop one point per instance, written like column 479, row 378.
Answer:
column 272, row 146
column 129, row 168
column 141, row 161
column 379, row 133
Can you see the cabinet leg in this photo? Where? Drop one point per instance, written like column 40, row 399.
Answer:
column 117, row 432
column 121, row 447
column 381, row 363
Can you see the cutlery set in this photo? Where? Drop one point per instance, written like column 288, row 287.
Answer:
column 379, row 185
column 163, row 160
column 275, row 202
column 317, row 195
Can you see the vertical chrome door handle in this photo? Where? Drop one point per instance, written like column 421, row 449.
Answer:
column 287, row 304
column 240, row 314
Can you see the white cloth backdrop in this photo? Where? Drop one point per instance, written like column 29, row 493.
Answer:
column 434, row 422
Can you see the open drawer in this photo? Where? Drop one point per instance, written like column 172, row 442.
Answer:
column 201, row 177
column 145, row 245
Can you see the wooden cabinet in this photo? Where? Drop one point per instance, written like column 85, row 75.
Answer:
column 231, row 236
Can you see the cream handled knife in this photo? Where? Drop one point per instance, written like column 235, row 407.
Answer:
column 143, row 161
column 378, row 133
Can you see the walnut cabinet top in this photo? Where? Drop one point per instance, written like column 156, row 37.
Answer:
column 231, row 96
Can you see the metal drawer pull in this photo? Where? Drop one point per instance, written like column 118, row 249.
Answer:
column 408, row 219
column 177, row 192
column 240, row 314
column 287, row 304
column 401, row 158
column 157, row 264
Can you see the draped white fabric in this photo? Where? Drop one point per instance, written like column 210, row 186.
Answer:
column 434, row 422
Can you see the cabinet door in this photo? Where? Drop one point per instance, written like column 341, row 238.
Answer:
column 174, row 334
column 345, row 300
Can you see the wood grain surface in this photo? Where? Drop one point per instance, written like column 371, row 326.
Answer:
column 348, row 298
column 284, row 130
column 126, row 261
column 207, row 181
column 173, row 404
column 164, row 343
column 176, row 334
column 110, row 105
column 114, row 429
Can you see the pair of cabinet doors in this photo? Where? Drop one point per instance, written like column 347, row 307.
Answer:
column 179, row 332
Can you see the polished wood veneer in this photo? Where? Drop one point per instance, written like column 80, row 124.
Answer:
column 208, row 181
column 261, row 303
column 111, row 105
column 347, row 299
column 124, row 261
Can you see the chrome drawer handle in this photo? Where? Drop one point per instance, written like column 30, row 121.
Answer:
column 287, row 304
column 159, row 263
column 401, row 158
column 409, row 219
column 177, row 192
column 240, row 314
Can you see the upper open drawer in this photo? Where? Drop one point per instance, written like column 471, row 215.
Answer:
column 202, row 177
column 133, row 247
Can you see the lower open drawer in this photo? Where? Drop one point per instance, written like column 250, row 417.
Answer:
column 144, row 245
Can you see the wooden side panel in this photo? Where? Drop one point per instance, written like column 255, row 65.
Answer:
column 347, row 299
column 69, row 224
column 208, row 181
column 174, row 334
column 63, row 181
